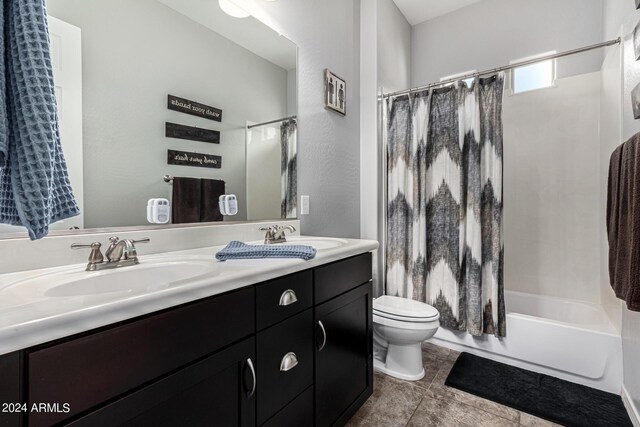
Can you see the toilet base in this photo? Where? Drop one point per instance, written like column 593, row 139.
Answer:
column 381, row 367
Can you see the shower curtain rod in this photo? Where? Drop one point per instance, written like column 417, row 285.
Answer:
column 503, row 68
column 272, row 121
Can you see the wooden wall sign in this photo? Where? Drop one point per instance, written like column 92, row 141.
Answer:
column 194, row 108
column 185, row 158
column 174, row 130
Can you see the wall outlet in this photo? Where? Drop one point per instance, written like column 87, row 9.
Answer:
column 304, row 205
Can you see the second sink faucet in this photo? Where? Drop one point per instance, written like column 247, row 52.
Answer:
column 275, row 233
column 120, row 253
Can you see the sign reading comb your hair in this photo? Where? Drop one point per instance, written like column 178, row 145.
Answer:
column 184, row 158
column 194, row 108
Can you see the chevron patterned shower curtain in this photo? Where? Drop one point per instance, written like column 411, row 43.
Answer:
column 444, row 207
column 288, row 169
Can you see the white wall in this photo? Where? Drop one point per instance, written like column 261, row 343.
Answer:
column 292, row 92
column 492, row 33
column 134, row 54
column 264, row 153
column 328, row 35
column 551, row 189
column 394, row 47
column 610, row 138
column 615, row 14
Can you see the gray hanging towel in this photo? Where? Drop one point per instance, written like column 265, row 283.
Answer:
column 211, row 190
column 186, row 201
column 34, row 185
column 623, row 222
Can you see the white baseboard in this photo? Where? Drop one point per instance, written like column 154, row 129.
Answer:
column 634, row 414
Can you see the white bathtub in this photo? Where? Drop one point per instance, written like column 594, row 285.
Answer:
column 568, row 339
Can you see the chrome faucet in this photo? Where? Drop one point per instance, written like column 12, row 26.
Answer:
column 120, row 253
column 275, row 233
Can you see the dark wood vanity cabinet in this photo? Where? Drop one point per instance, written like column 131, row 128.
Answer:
column 10, row 389
column 219, row 390
column 343, row 368
column 296, row 350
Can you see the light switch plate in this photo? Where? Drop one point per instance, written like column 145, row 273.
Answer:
column 304, row 205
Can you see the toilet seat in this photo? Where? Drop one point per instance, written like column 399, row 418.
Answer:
column 404, row 310
column 422, row 324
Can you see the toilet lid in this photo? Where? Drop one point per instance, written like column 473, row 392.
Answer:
column 405, row 308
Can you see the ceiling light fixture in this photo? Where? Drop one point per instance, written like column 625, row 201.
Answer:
column 232, row 9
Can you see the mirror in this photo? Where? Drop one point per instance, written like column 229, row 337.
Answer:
column 152, row 91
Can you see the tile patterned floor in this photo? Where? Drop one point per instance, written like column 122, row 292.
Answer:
column 429, row 402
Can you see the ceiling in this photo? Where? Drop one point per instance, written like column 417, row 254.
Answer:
column 249, row 33
column 417, row 11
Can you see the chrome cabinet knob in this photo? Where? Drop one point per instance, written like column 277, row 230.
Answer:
column 289, row 361
column 288, row 297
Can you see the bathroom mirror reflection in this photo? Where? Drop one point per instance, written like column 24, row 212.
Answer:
column 117, row 65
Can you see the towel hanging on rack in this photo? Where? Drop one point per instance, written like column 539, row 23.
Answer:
column 196, row 200
column 623, row 222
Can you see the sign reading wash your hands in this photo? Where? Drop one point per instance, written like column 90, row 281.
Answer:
column 185, row 158
column 194, row 108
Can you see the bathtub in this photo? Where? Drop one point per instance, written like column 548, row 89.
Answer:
column 568, row 339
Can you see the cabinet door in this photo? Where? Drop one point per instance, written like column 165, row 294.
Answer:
column 11, row 390
column 218, row 391
column 101, row 366
column 344, row 356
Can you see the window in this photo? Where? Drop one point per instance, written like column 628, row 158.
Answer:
column 455, row 76
column 535, row 76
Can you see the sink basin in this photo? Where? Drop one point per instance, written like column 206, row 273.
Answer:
column 319, row 243
column 143, row 278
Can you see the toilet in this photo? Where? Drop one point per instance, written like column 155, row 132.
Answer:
column 400, row 326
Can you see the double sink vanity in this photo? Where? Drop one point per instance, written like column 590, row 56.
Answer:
column 183, row 339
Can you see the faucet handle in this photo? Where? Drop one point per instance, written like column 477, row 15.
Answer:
column 130, row 251
column 95, row 257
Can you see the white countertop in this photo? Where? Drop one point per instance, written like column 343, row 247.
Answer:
column 30, row 316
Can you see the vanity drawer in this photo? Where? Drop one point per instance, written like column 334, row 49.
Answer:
column 277, row 386
column 86, row 371
column 297, row 413
column 341, row 276
column 274, row 299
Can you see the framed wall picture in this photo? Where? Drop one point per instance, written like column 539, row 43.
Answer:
column 636, row 41
column 335, row 93
column 635, row 101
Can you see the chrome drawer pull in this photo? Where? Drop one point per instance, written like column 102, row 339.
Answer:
column 324, row 336
column 289, row 361
column 253, row 377
column 288, row 297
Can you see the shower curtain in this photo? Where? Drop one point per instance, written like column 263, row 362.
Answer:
column 444, row 207
column 288, row 169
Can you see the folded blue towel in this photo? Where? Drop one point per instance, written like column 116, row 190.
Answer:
column 239, row 250
column 34, row 185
